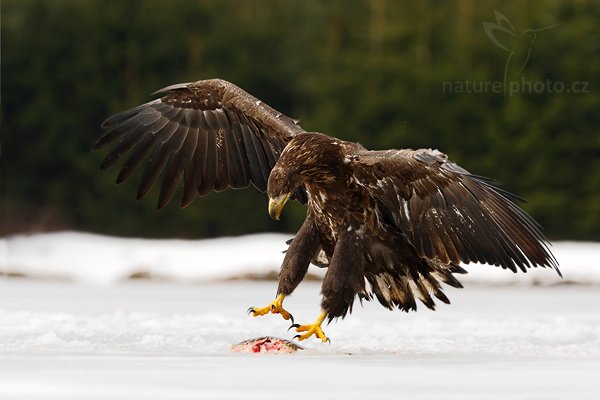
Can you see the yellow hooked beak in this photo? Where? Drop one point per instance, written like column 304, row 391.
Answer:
column 276, row 205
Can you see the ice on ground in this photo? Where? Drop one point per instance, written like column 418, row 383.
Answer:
column 92, row 333
column 207, row 318
column 156, row 340
column 103, row 260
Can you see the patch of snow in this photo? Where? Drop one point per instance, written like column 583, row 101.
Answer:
column 104, row 260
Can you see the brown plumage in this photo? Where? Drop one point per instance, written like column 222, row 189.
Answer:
column 389, row 224
column 210, row 134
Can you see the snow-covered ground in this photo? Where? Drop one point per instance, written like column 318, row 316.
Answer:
column 90, row 333
column 104, row 260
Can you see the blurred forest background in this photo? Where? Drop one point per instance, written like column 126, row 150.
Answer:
column 388, row 74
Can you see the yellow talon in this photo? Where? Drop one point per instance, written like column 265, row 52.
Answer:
column 276, row 307
column 314, row 329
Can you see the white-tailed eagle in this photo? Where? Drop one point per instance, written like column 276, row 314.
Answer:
column 392, row 225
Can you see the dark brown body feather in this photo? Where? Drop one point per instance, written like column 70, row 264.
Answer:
column 389, row 224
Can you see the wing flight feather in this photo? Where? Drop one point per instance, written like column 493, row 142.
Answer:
column 449, row 214
column 209, row 134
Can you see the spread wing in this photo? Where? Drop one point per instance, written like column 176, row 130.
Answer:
column 209, row 134
column 447, row 213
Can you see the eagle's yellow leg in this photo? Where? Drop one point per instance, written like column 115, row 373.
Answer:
column 313, row 329
column 276, row 307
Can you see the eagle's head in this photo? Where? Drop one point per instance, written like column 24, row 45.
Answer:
column 309, row 159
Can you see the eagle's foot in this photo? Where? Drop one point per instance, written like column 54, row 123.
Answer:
column 312, row 329
column 276, row 307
